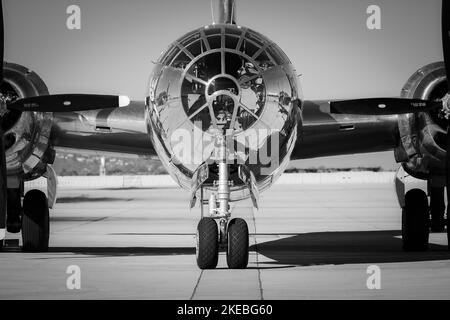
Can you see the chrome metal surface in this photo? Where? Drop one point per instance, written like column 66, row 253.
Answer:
column 212, row 204
column 199, row 177
column 26, row 134
column 422, row 135
column 223, row 228
column 248, row 178
column 223, row 188
column 224, row 79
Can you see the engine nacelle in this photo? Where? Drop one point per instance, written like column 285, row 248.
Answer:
column 26, row 134
column 423, row 135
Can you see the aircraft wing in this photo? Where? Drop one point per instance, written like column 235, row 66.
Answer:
column 120, row 131
column 326, row 134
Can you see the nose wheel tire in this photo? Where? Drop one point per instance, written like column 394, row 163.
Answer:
column 35, row 222
column 207, row 250
column 415, row 221
column 237, row 251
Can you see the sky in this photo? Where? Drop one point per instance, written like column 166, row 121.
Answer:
column 328, row 42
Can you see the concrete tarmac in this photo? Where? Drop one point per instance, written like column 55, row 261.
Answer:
column 307, row 242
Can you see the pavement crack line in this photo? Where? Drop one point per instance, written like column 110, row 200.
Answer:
column 261, row 292
column 84, row 223
column 196, row 286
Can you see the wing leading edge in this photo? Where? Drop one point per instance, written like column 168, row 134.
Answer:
column 120, row 131
column 325, row 134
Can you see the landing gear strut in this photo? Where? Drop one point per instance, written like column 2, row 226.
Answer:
column 14, row 211
column 230, row 234
column 437, row 208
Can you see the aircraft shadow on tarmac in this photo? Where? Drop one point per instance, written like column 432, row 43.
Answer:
column 307, row 249
column 125, row 251
column 140, row 188
column 86, row 198
column 323, row 248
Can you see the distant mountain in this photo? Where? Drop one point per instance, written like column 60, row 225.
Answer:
column 71, row 164
column 325, row 169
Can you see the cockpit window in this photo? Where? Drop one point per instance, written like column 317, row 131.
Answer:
column 233, row 31
column 227, row 37
column 278, row 56
column 249, row 48
column 255, row 38
column 189, row 38
column 215, row 42
column 212, row 30
column 181, row 61
column 264, row 61
column 231, row 42
column 229, row 98
column 223, row 70
column 167, row 58
column 197, row 48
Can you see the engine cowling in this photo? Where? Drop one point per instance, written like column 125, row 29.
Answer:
column 423, row 135
column 26, row 134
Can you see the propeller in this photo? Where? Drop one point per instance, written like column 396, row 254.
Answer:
column 61, row 102
column 388, row 106
column 3, row 176
column 47, row 103
column 69, row 102
column 446, row 51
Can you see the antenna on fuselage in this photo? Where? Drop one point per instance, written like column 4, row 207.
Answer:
column 232, row 12
column 227, row 11
column 212, row 12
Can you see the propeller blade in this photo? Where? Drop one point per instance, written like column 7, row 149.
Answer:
column 69, row 102
column 3, row 176
column 383, row 106
column 447, row 169
column 3, row 190
column 446, row 51
column 2, row 42
column 446, row 36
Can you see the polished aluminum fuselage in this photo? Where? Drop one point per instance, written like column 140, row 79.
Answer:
column 224, row 80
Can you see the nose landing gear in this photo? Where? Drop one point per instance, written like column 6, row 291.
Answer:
column 231, row 235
